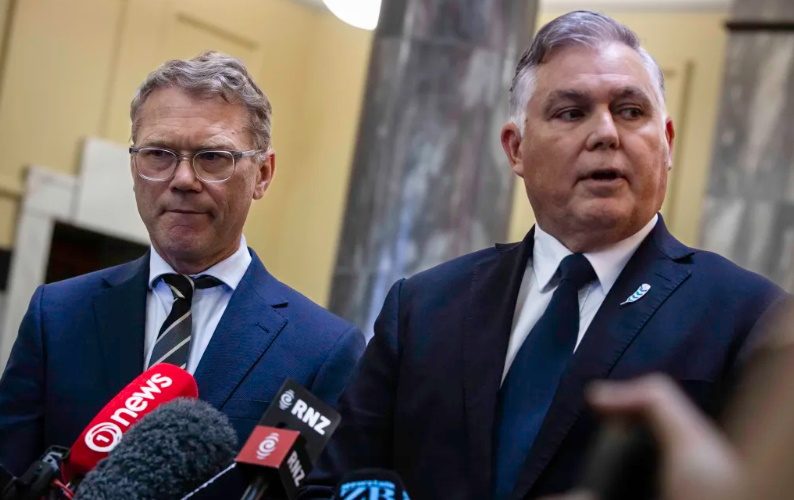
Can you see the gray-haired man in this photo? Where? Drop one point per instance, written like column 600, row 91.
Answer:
column 199, row 299
column 472, row 387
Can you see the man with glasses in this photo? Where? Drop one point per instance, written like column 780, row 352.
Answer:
column 199, row 299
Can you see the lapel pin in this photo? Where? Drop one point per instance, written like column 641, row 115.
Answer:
column 640, row 293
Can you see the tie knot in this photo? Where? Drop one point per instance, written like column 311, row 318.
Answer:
column 576, row 269
column 182, row 286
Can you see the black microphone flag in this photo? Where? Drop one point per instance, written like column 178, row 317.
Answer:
column 290, row 436
column 298, row 409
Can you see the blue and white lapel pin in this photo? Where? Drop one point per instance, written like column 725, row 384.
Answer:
column 640, row 293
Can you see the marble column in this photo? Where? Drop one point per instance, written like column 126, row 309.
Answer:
column 749, row 210
column 429, row 181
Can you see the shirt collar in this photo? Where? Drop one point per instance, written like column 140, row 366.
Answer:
column 230, row 270
column 608, row 263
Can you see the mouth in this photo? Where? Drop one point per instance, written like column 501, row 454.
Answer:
column 182, row 211
column 605, row 175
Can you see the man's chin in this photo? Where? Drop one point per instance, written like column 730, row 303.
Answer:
column 181, row 248
column 604, row 216
column 604, row 223
column 612, row 222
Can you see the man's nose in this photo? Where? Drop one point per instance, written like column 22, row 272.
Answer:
column 604, row 134
column 185, row 178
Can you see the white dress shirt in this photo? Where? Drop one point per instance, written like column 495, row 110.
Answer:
column 541, row 279
column 208, row 303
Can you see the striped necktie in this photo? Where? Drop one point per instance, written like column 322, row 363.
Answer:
column 173, row 340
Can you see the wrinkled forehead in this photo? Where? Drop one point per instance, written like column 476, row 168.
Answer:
column 599, row 72
column 173, row 118
column 167, row 102
column 161, row 99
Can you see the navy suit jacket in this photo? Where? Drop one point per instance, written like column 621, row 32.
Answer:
column 423, row 399
column 82, row 341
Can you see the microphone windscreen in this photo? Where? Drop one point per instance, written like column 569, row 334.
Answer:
column 168, row 454
column 365, row 484
column 157, row 385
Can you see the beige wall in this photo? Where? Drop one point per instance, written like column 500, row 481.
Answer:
column 71, row 69
column 311, row 217
column 54, row 71
column 690, row 47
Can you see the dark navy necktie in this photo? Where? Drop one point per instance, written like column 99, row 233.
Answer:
column 532, row 380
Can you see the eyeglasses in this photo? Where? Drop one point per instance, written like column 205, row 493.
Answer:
column 159, row 164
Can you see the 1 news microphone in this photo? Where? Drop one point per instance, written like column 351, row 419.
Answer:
column 368, row 484
column 157, row 385
column 167, row 454
column 280, row 451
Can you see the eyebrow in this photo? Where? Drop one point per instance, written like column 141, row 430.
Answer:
column 630, row 92
column 564, row 95
column 580, row 97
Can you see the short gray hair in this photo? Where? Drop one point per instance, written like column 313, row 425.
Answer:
column 211, row 74
column 582, row 28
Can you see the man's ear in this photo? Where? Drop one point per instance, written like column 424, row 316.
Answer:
column 265, row 173
column 511, row 143
column 669, row 132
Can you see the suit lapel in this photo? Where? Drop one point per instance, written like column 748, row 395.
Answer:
column 120, row 311
column 492, row 298
column 613, row 329
column 247, row 328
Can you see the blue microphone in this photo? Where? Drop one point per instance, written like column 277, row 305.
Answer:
column 371, row 484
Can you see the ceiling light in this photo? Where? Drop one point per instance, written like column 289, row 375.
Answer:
column 359, row 13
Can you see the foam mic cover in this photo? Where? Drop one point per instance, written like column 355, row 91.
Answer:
column 166, row 455
column 157, row 385
column 368, row 484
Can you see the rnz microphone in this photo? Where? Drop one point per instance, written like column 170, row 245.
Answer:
column 157, row 385
column 169, row 453
column 371, row 484
column 292, row 433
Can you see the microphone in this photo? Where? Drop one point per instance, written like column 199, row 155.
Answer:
column 168, row 453
column 39, row 480
column 157, row 385
column 368, row 484
column 280, row 451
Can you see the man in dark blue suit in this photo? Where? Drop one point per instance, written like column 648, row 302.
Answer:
column 199, row 299
column 472, row 386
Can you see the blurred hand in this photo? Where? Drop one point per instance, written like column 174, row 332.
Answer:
column 697, row 461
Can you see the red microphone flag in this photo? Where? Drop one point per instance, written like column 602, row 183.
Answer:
column 159, row 384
